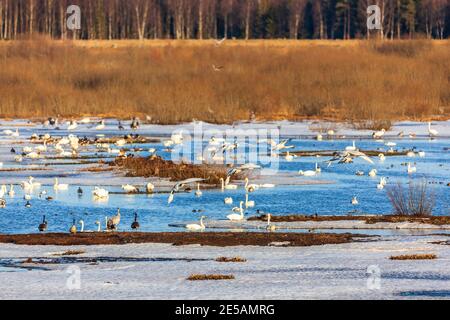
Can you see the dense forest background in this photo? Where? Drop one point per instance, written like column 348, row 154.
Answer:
column 240, row 19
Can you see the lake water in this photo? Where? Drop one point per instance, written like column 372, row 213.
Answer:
column 333, row 196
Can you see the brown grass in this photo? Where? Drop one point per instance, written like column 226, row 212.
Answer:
column 202, row 277
column 416, row 200
column 175, row 81
column 414, row 257
column 158, row 167
column 232, row 259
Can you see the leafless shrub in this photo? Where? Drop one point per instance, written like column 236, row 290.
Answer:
column 372, row 125
column 202, row 277
column 416, row 200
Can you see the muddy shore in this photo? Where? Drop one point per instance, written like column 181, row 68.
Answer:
column 220, row 239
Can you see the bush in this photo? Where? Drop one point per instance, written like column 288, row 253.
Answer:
column 416, row 200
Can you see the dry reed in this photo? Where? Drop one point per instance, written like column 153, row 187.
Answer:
column 174, row 83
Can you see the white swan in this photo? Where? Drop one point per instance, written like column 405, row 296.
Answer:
column 355, row 201
column 310, row 173
column 11, row 192
column 421, row 154
column 100, row 193
column 411, row 169
column 352, row 147
column 382, row 183
column 195, row 226
column 382, row 157
column 150, row 187
column 249, row 204
column 82, row 225
column 378, row 134
column 198, row 193
column 3, row 191
column 227, row 185
column 289, row 157
column 250, row 187
column 235, row 216
column 101, row 125
column 58, row 186
column 41, row 148
column 130, row 188
column 432, row 132
column 270, row 227
column 72, row 125
column 16, row 134
column 227, row 200
column 373, row 173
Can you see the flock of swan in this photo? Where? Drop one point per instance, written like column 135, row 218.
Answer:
column 217, row 148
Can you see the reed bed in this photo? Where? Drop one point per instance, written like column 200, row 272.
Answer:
column 157, row 167
column 175, row 82
column 414, row 257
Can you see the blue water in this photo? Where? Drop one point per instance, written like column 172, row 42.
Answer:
column 155, row 215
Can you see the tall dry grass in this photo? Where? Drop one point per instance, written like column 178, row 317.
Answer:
column 173, row 83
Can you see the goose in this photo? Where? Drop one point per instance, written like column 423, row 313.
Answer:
column 135, row 225
column 12, row 150
column 411, row 169
column 101, row 125
column 100, row 193
column 378, row 134
column 270, row 227
column 58, row 186
column 11, row 192
column 249, row 204
column 128, row 188
column 73, row 228
column 382, row 157
column 99, row 226
column 80, row 191
column 113, row 222
column 198, row 193
column 432, row 132
column 181, row 184
column 373, row 173
column 228, row 200
column 355, row 201
column 81, row 222
column 227, row 185
column 195, row 226
column 235, row 216
column 352, row 147
column 250, row 187
column 43, row 226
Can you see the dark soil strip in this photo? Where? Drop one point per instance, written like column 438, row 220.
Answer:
column 221, row 239
column 436, row 220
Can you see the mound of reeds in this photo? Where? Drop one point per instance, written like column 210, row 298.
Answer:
column 158, row 167
column 203, row 277
column 231, row 259
column 414, row 257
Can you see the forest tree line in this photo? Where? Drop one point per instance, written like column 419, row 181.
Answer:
column 240, row 19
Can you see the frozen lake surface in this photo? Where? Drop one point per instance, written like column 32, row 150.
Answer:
column 328, row 193
column 360, row 270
